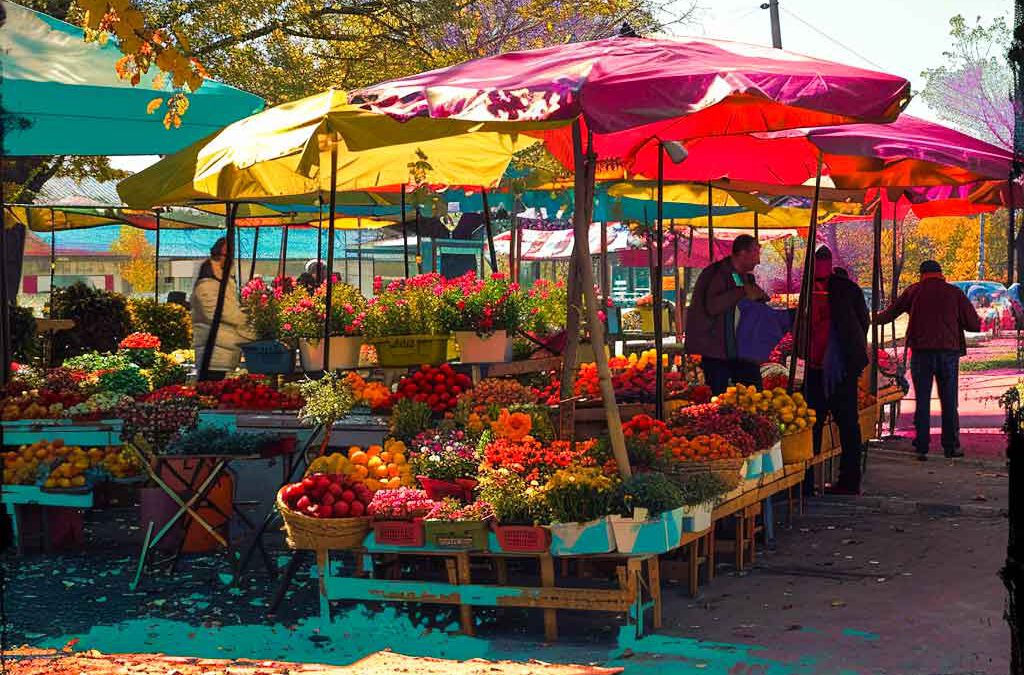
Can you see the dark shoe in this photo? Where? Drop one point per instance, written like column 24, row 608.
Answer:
column 842, row 490
column 954, row 454
column 921, row 456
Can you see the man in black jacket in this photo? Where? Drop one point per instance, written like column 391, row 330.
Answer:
column 837, row 356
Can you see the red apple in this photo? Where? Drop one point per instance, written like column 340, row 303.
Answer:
column 327, row 499
column 307, row 484
column 336, row 490
column 303, row 503
column 357, row 508
column 348, row 496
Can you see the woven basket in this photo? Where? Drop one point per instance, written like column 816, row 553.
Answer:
column 798, row 447
column 727, row 469
column 321, row 534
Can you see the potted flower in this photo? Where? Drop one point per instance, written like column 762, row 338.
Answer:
column 444, row 463
column 302, row 318
column 519, row 509
column 451, row 524
column 579, row 500
column 650, row 518
column 403, row 322
column 268, row 355
column 398, row 516
column 141, row 348
column 545, row 305
column 483, row 314
column 701, row 493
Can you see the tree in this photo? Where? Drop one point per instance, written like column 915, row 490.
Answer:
column 139, row 269
column 972, row 90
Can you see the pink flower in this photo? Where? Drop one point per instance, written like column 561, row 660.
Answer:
column 287, row 326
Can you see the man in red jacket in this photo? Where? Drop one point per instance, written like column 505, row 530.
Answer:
column 939, row 315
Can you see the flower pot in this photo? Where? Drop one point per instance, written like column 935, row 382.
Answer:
column 595, row 536
column 494, row 348
column 657, row 535
column 402, row 351
column 344, row 353
column 697, row 518
column 398, row 532
column 755, row 466
column 268, row 357
column 465, row 535
column 522, row 538
column 461, row 488
column 773, row 458
column 798, row 447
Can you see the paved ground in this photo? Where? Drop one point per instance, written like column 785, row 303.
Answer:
column 902, row 580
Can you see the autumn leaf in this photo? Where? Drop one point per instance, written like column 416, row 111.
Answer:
column 154, row 105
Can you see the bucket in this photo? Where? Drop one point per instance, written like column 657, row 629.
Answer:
column 402, row 351
column 344, row 353
column 268, row 357
column 494, row 348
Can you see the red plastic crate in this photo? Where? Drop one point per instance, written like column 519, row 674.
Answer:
column 523, row 538
column 398, row 533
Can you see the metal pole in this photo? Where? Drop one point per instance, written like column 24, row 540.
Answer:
column 773, row 11
column 5, row 309
column 359, row 259
column 605, row 281
column 981, row 246
column 218, row 312
column 490, row 232
column 876, row 292
column 330, row 257
column 156, row 271
column 282, row 266
column 757, row 234
column 320, row 242
column 895, row 285
column 656, row 291
column 405, row 236
column 53, row 257
column 711, row 229
column 802, row 330
column 419, row 243
column 255, row 247
column 1011, row 237
column 238, row 236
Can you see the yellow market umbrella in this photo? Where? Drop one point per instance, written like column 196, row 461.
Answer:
column 284, row 152
column 688, row 193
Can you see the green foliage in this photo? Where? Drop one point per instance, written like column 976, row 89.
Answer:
column 702, row 488
column 409, row 418
column 209, row 440
column 26, row 343
column 128, row 381
column 579, row 494
column 90, row 362
column 515, row 501
column 101, row 320
column 170, row 322
column 327, row 400
column 652, row 491
column 166, row 371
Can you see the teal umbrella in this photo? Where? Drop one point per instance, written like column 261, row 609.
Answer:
column 62, row 96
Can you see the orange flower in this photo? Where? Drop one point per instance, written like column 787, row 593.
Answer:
column 475, row 423
column 513, row 426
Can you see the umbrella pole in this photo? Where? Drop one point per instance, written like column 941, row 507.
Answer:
column 282, row 264
column 320, row 242
column 656, row 291
column 255, row 247
column 5, row 309
column 711, row 228
column 757, row 234
column 156, row 262
column 53, row 257
column 419, row 243
column 330, row 258
column 680, row 291
column 1011, row 237
column 876, row 291
column 405, row 236
column 895, row 284
column 218, row 312
column 584, row 198
column 605, row 282
column 359, row 259
column 802, row 332
column 493, row 255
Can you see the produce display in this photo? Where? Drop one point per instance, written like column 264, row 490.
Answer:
column 791, row 410
column 374, row 395
column 56, row 466
column 327, row 496
column 438, row 387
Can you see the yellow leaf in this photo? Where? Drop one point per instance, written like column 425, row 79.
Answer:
column 154, row 105
column 158, row 81
column 182, row 40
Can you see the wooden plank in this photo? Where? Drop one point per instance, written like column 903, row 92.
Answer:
column 32, row 494
column 465, row 579
column 547, row 580
column 525, row 366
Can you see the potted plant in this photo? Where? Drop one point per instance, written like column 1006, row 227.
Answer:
column 519, row 509
column 650, row 518
column 484, row 314
column 450, row 524
column 403, row 322
column 444, row 462
column 302, row 319
column 701, row 493
column 268, row 355
column 141, row 348
column 327, row 401
column 398, row 516
column 579, row 500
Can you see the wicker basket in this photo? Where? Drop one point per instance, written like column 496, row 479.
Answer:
column 798, row 447
column 321, row 534
column 727, row 469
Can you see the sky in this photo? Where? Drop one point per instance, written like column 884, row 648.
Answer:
column 902, row 37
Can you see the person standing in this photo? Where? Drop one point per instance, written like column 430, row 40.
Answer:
column 713, row 316
column 837, row 356
column 939, row 315
column 233, row 330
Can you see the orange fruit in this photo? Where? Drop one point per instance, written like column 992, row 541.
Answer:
column 381, row 471
column 392, row 470
column 358, row 457
column 360, row 472
column 374, row 450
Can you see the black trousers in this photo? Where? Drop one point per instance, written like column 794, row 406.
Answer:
column 720, row 373
column 842, row 406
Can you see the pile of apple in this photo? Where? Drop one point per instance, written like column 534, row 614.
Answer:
column 327, row 496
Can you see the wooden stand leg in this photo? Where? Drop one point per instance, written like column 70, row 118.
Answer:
column 712, row 553
column 694, row 566
column 789, row 506
column 741, row 538
column 633, row 578
column 323, row 564
column 547, row 580
column 465, row 577
column 654, row 579
column 501, row 569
